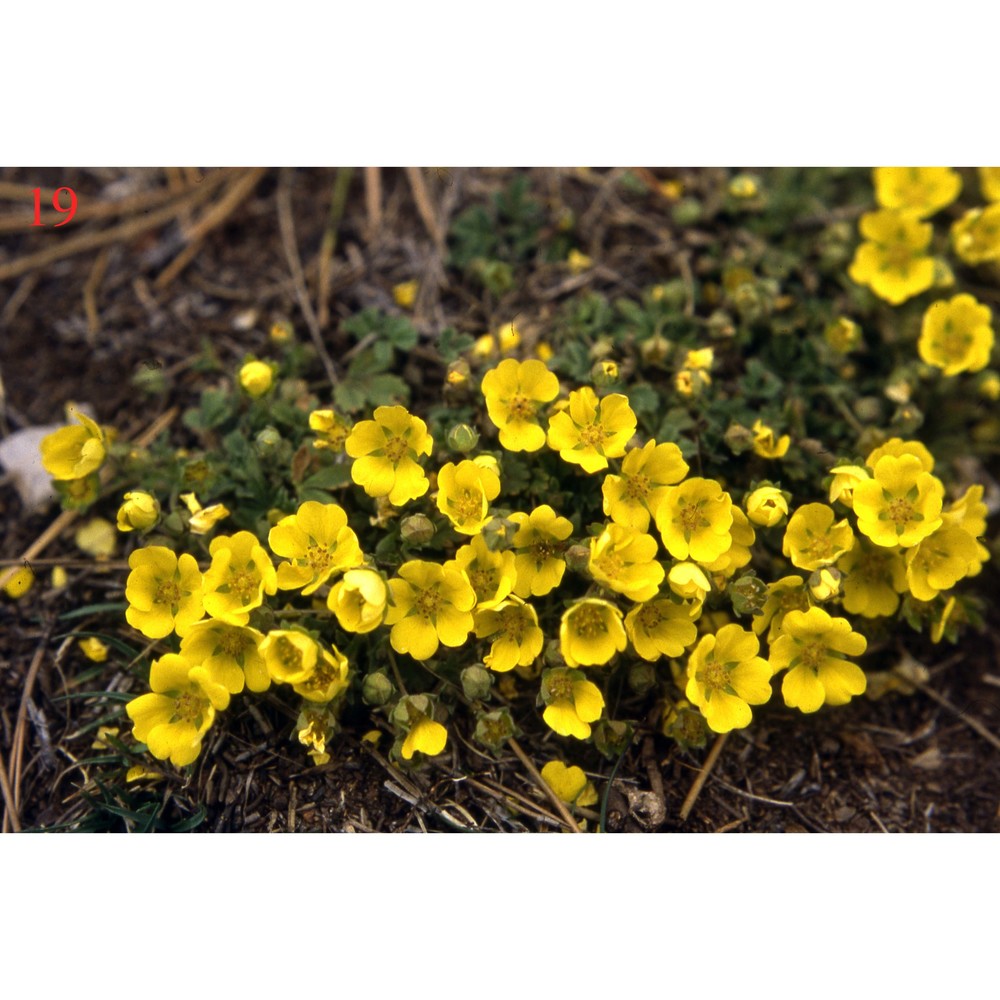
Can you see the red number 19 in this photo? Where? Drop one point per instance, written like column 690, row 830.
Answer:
column 68, row 212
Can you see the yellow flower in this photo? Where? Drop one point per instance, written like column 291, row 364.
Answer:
column 989, row 182
column 203, row 519
column 514, row 391
column 578, row 262
column 414, row 714
column 893, row 260
column 700, row 360
column 901, row 505
column 940, row 561
column 976, row 236
column 630, row 499
column 726, row 677
column 845, row 478
column 695, row 520
column 538, row 547
column 172, row 720
column 240, row 575
column 688, row 580
column 431, row 604
column 97, row 538
column 281, row 331
column 94, row 649
column 164, row 592
column 660, row 628
column 74, row 452
column 767, row 506
column 920, row 190
column 327, row 679
column 811, row 646
column 591, row 632
column 464, row 494
column 230, row 652
column 590, row 431
column 518, row 639
column 256, row 377
column 874, row 577
column 331, row 429
column 569, row 783
column 766, row 444
column 359, row 599
column 812, row 539
column 956, row 336
column 139, row 512
column 19, row 583
column 624, row 560
column 969, row 513
column 492, row 574
column 405, row 293
column 784, row 595
column 290, row 656
column 897, row 447
column 743, row 186
column 572, row 702
column 318, row 542
column 385, row 451
column 507, row 340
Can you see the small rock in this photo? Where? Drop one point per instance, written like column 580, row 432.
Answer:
column 22, row 459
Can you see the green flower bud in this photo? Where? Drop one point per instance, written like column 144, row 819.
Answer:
column 868, row 410
column 641, row 677
column 498, row 533
column 578, row 558
column 553, row 654
column 686, row 726
column 907, row 419
column 687, row 212
column 476, row 682
column 417, row 529
column 604, row 374
column 268, row 439
column 377, row 689
column 613, row 737
column 463, row 438
column 493, row 729
column 738, row 438
column 655, row 350
column 748, row 594
column 672, row 294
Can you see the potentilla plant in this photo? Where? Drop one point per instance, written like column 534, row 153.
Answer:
column 537, row 534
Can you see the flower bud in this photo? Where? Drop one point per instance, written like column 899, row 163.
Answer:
column 139, row 512
column 687, row 212
column 578, row 558
column 672, row 294
column 405, row 294
column 256, row 378
column 416, row 529
column 720, row 325
column 19, row 583
column 843, row 335
column 458, row 373
column 907, row 419
column 377, row 689
column 612, row 737
column 604, row 374
column 553, row 654
column 476, row 682
column 743, row 187
column 655, row 350
column 824, row 583
column 738, row 438
column 493, row 729
column 641, row 677
column 686, row 726
column 748, row 594
column 578, row 262
column 463, row 438
column 268, row 439
column 767, row 506
column 499, row 532
column 868, row 409
column 988, row 385
column 281, row 331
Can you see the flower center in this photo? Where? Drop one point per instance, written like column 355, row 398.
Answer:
column 427, row 604
column 690, row 518
column 318, row 558
column 649, row 617
column 244, row 584
column 521, row 408
column 484, row 582
column 813, row 654
column 394, row 449
column 589, row 623
column 468, row 506
column 322, row 677
column 636, row 488
column 167, row 592
column 542, row 551
column 514, row 625
column 610, row 565
column 188, row 708
column 715, row 676
column 232, row 643
column 592, row 435
column 900, row 511
column 560, row 688
column 289, row 654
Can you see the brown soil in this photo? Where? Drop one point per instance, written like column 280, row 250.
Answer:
column 79, row 328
